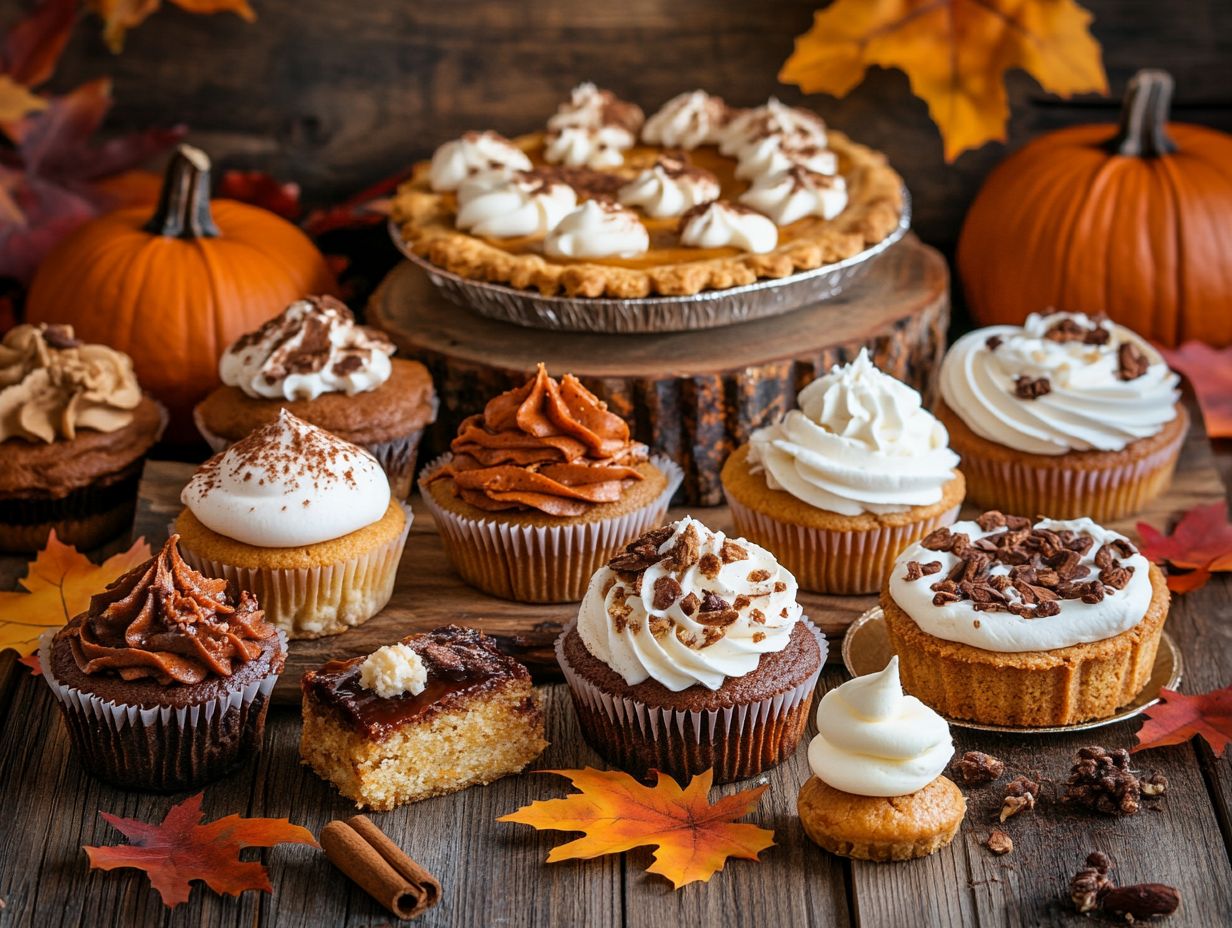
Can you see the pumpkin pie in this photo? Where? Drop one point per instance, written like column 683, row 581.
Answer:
column 489, row 208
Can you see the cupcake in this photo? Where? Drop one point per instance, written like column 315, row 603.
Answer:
column 541, row 489
column 1003, row 622
column 303, row 519
column 877, row 792
column 315, row 361
column 165, row 680
column 74, row 431
column 837, row 487
column 690, row 652
column 1064, row 416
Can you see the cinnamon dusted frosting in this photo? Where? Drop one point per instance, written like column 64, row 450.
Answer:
column 548, row 445
column 164, row 621
column 592, row 129
column 669, row 188
column 772, row 118
column 598, row 229
column 51, row 385
column 311, row 347
column 721, row 224
column 796, row 193
column 474, row 153
column 526, row 203
column 776, row 153
column 687, row 121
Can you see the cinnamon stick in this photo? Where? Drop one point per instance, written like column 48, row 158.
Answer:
column 382, row 869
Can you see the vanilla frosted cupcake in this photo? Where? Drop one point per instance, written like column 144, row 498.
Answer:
column 690, row 651
column 301, row 518
column 875, row 744
column 1066, row 416
column 839, row 486
column 1008, row 623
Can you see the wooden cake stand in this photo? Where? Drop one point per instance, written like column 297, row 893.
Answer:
column 693, row 396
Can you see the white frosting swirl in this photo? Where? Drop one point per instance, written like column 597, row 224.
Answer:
column 859, row 442
column 625, row 629
column 393, row 670
column 1088, row 406
column 454, row 162
column 687, row 121
column 873, row 740
column 772, row 118
column 598, row 229
column 286, row 485
column 795, row 193
column 1076, row 622
column 776, row 153
column 522, row 204
column 587, row 146
column 669, row 188
column 311, row 347
column 724, row 225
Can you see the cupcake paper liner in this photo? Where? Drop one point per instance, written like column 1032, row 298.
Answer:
column 829, row 561
column 541, row 564
column 737, row 741
column 163, row 748
column 311, row 602
column 85, row 518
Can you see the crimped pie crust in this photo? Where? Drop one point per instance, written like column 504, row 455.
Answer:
column 875, row 202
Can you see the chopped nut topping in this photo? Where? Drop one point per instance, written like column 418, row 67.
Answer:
column 666, row 591
column 1089, row 883
column 1020, row 793
column 993, row 342
column 709, row 565
column 1028, row 388
column 1103, row 781
column 999, row 842
column 1131, row 362
column 759, row 576
column 1092, row 889
column 977, row 768
column 731, row 552
column 689, row 604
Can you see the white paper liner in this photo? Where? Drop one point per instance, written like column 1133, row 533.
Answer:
column 831, row 561
column 656, row 724
column 311, row 602
column 541, row 564
column 193, row 721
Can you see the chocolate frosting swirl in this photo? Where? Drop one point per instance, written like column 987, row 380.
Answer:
column 166, row 622
column 547, row 445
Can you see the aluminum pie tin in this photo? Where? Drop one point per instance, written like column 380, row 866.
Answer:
column 866, row 649
column 656, row 314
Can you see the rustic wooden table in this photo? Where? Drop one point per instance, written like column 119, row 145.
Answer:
column 494, row 874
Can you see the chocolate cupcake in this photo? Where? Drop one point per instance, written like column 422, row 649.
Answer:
column 164, row 681
column 689, row 652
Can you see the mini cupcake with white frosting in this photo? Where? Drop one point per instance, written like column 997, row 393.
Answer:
column 1065, row 415
column 838, row 486
column 303, row 519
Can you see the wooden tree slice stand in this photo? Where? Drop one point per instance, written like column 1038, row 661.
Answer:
column 693, row 396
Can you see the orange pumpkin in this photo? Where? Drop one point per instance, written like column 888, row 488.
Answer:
column 173, row 290
column 1134, row 222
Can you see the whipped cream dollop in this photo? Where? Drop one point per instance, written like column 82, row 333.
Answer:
column 772, row 118
column 874, row 740
column 286, row 485
column 796, row 193
column 394, row 670
column 593, row 129
column 860, row 441
column 598, row 229
column 474, row 153
column 703, row 607
column 1054, row 584
column 525, row 203
column 721, row 224
column 776, row 153
column 1060, row 382
column 311, row 347
column 670, row 187
column 688, row 120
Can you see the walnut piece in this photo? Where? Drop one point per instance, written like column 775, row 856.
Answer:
column 1020, row 793
column 977, row 768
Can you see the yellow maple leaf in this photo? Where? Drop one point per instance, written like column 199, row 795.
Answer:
column 59, row 585
column 17, row 101
column 119, row 16
column 955, row 54
column 617, row 813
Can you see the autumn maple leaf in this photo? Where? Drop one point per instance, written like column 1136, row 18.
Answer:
column 693, row 838
column 119, row 16
column 1201, row 543
column 1210, row 371
column 1177, row 718
column 955, row 54
column 59, row 584
column 180, row 849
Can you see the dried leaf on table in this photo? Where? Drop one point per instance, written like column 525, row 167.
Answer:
column 119, row 16
column 261, row 189
column 33, row 45
column 1210, row 371
column 955, row 54
column 1178, row 717
column 16, row 102
column 1201, row 543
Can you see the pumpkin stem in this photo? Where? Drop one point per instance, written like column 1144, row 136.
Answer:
column 184, row 202
column 1144, row 116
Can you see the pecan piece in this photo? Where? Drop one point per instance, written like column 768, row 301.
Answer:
column 977, row 768
column 999, row 842
column 1020, row 793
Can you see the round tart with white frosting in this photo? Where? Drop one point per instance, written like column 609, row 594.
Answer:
column 828, row 198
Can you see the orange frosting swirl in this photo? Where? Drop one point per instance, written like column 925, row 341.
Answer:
column 547, row 445
column 165, row 621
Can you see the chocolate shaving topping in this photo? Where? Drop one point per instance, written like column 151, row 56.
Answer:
column 1028, row 388
column 1131, row 362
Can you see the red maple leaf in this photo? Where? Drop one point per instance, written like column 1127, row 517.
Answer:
column 1210, row 371
column 1178, row 717
column 180, row 849
column 262, row 189
column 1201, row 542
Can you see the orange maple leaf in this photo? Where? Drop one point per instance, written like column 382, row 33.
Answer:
column 119, row 16
column 693, row 838
column 955, row 54
column 1201, row 543
column 180, row 849
column 60, row 583
column 17, row 102
column 1178, row 717
column 1210, row 371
